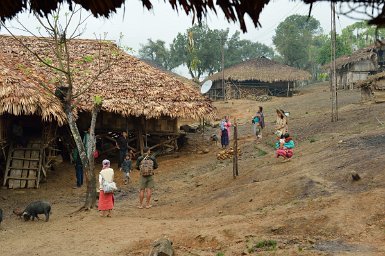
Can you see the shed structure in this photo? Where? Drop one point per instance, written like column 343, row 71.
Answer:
column 255, row 77
column 358, row 66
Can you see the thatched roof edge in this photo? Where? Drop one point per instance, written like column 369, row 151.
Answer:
column 261, row 69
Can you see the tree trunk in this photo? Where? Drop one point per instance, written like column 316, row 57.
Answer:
column 88, row 166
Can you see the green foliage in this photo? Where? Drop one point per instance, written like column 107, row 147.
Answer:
column 48, row 61
column 266, row 245
column 88, row 58
column 311, row 140
column 98, row 100
column 294, row 39
column 157, row 52
column 220, row 254
column 200, row 49
column 261, row 152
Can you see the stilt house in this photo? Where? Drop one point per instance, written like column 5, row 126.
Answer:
column 137, row 97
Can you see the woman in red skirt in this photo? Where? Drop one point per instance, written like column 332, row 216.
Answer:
column 106, row 200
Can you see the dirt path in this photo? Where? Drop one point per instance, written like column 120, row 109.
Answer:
column 308, row 206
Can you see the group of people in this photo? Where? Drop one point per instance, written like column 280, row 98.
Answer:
column 146, row 164
column 285, row 144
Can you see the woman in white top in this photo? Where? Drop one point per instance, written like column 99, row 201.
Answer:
column 106, row 200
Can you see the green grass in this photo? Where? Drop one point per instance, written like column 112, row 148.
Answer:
column 312, row 140
column 266, row 245
column 220, row 254
column 261, row 152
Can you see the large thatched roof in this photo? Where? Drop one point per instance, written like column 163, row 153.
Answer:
column 21, row 94
column 129, row 88
column 261, row 69
column 234, row 10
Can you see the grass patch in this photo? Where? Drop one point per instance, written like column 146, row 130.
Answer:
column 262, row 245
column 312, row 140
column 261, row 152
column 220, row 254
column 266, row 244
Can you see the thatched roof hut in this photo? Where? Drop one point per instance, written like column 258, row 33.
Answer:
column 367, row 53
column 129, row 87
column 357, row 66
column 232, row 11
column 21, row 93
column 262, row 69
column 254, row 77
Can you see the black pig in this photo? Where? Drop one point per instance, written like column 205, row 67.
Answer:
column 35, row 208
column 1, row 215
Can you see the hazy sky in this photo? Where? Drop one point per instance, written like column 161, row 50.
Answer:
column 137, row 24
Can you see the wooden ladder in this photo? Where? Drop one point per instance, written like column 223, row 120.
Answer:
column 24, row 166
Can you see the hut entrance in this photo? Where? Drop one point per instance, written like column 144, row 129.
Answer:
column 31, row 151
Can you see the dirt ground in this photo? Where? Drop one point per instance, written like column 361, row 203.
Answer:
column 307, row 206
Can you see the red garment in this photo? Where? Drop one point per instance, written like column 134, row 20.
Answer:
column 106, row 201
column 287, row 153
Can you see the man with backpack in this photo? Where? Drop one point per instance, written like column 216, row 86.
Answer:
column 146, row 165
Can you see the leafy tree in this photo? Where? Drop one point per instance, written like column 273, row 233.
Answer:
column 293, row 40
column 241, row 50
column 200, row 49
column 360, row 35
column 158, row 53
column 65, row 71
column 323, row 48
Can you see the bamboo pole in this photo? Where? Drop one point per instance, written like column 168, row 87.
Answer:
column 235, row 155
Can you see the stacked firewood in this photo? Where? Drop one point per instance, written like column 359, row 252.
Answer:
column 227, row 153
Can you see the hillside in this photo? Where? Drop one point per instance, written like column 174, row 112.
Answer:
column 308, row 206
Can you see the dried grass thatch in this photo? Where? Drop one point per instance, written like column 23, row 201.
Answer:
column 21, row 94
column 372, row 81
column 366, row 53
column 129, row 88
column 262, row 69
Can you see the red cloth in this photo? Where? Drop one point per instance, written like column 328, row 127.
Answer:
column 106, row 201
column 287, row 153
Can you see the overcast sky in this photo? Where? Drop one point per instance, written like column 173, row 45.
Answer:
column 137, row 24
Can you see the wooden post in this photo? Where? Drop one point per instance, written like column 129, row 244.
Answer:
column 140, row 134
column 288, row 89
column 235, row 156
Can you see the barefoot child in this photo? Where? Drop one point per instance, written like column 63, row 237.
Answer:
column 126, row 168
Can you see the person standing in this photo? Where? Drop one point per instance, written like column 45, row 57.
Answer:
column 258, row 123
column 78, row 167
column 281, row 126
column 122, row 145
column 224, row 133
column 146, row 164
column 106, row 200
column 126, row 168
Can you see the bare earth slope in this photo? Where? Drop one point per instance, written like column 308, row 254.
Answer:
column 308, row 206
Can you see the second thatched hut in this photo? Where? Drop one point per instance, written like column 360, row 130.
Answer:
column 255, row 77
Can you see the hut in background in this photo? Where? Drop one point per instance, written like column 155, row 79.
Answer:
column 359, row 65
column 373, row 88
column 137, row 97
column 256, row 77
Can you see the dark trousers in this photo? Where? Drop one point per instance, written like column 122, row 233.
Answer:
column 122, row 154
column 79, row 175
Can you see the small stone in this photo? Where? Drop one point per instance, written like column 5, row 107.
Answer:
column 251, row 200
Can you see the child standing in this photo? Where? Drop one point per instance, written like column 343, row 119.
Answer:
column 126, row 168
